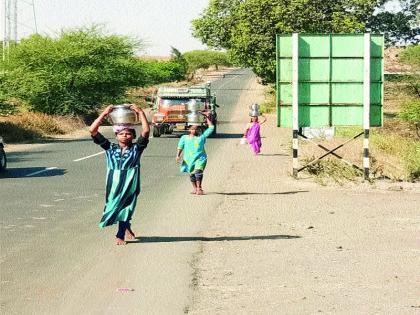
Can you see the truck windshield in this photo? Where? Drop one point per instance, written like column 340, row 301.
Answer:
column 167, row 102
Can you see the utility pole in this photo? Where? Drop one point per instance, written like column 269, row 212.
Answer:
column 11, row 15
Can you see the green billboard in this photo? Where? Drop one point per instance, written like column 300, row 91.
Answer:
column 331, row 79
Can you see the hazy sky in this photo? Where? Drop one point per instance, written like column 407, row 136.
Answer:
column 160, row 23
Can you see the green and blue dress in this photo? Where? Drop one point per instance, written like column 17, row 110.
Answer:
column 194, row 154
column 123, row 179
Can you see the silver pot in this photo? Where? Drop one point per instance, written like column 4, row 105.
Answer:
column 254, row 113
column 254, row 107
column 122, row 114
column 194, row 106
column 254, row 110
column 195, row 118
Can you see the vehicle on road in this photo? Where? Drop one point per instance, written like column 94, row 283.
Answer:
column 172, row 108
column 3, row 159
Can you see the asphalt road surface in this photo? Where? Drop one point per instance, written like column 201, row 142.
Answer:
column 55, row 259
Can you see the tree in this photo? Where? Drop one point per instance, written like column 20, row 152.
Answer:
column 177, row 57
column 247, row 28
column 73, row 74
column 203, row 59
column 401, row 27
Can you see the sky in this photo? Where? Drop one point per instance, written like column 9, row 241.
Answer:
column 160, row 24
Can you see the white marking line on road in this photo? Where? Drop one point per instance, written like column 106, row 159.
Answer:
column 87, row 157
column 38, row 172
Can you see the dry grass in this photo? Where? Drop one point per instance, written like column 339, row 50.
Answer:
column 325, row 171
column 392, row 155
column 27, row 126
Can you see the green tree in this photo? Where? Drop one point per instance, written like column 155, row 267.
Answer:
column 163, row 71
column 73, row 74
column 203, row 59
column 247, row 28
column 401, row 27
column 177, row 57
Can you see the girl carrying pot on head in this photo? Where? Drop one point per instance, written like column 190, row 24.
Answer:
column 252, row 134
column 123, row 171
column 194, row 157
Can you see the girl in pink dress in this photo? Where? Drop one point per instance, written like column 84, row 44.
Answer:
column 252, row 134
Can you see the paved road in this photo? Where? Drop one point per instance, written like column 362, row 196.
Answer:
column 54, row 258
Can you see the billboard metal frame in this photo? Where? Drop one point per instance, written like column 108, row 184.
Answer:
column 296, row 84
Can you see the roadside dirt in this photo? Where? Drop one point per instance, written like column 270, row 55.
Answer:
column 290, row 246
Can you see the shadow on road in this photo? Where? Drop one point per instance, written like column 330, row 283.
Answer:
column 256, row 193
column 29, row 172
column 275, row 154
column 19, row 156
column 227, row 136
column 169, row 239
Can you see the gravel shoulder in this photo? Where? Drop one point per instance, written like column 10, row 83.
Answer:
column 282, row 246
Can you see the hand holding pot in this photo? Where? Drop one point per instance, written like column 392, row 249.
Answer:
column 135, row 108
column 108, row 109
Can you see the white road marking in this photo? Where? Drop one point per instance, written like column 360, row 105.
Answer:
column 38, row 172
column 87, row 157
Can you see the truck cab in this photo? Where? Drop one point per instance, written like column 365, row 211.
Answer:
column 170, row 108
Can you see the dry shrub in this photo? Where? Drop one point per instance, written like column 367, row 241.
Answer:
column 333, row 170
column 42, row 123
column 26, row 127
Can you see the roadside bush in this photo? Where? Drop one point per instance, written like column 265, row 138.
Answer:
column 14, row 133
column 73, row 74
column 411, row 55
column 411, row 113
column 163, row 71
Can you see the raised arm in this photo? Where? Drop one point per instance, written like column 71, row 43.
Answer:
column 265, row 119
column 210, row 129
column 93, row 129
column 145, row 124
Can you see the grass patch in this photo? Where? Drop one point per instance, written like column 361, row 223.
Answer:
column 269, row 104
column 406, row 151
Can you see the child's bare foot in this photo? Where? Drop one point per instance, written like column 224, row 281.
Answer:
column 121, row 242
column 193, row 192
column 199, row 191
column 129, row 234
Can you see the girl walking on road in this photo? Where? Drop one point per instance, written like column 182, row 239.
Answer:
column 252, row 134
column 123, row 172
column 194, row 160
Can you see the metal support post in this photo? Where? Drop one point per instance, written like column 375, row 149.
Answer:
column 366, row 105
column 295, row 101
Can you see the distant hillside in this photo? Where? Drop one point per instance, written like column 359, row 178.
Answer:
column 391, row 61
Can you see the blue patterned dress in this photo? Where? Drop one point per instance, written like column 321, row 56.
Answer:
column 123, row 179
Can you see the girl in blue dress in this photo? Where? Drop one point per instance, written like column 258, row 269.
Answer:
column 194, row 159
column 123, row 172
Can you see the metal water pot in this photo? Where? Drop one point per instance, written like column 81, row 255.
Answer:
column 254, row 110
column 122, row 114
column 194, row 106
column 195, row 118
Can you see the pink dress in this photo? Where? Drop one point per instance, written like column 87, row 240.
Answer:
column 253, row 137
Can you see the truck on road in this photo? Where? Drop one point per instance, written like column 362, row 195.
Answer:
column 170, row 108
